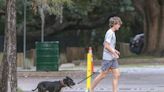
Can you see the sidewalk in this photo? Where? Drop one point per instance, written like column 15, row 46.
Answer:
column 133, row 79
column 70, row 69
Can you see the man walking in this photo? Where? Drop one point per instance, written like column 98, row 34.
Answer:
column 110, row 55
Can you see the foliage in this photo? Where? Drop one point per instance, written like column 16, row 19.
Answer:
column 54, row 7
column 126, row 5
column 81, row 12
column 2, row 3
column 124, row 34
column 83, row 8
column 2, row 25
column 86, row 9
column 2, row 7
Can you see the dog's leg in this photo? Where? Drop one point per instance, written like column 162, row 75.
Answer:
column 39, row 90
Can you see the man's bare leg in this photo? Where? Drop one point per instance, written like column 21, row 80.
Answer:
column 101, row 76
column 116, row 75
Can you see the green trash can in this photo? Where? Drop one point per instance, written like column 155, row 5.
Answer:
column 47, row 56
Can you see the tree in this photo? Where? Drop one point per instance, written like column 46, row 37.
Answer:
column 152, row 12
column 8, row 78
column 52, row 7
column 2, row 8
column 83, row 14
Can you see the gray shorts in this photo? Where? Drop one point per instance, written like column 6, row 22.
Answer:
column 106, row 64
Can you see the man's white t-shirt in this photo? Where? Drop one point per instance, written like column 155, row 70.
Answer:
column 111, row 39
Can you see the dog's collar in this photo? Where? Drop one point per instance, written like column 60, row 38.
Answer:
column 62, row 83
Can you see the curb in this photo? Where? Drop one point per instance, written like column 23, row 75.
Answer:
column 124, row 61
column 73, row 74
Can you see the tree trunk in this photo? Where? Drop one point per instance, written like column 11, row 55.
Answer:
column 41, row 10
column 161, row 33
column 9, row 73
column 153, row 14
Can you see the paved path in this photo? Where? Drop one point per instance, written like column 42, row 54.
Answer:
column 145, row 79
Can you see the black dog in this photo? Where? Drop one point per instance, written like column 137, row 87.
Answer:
column 55, row 86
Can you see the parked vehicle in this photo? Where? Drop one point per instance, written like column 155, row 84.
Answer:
column 137, row 43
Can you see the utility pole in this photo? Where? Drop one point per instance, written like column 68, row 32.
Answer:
column 24, row 36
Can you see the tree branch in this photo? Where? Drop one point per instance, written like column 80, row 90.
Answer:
column 70, row 25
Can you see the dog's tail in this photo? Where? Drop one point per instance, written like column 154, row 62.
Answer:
column 34, row 89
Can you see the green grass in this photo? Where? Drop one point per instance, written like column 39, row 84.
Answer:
column 1, row 56
column 19, row 90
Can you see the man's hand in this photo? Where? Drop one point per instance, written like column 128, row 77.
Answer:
column 116, row 54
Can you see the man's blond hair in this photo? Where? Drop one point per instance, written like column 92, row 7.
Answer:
column 114, row 20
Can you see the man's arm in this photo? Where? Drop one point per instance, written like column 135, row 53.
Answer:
column 114, row 52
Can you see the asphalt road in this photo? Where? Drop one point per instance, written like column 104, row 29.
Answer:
column 131, row 80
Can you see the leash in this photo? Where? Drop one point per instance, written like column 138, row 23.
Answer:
column 87, row 77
